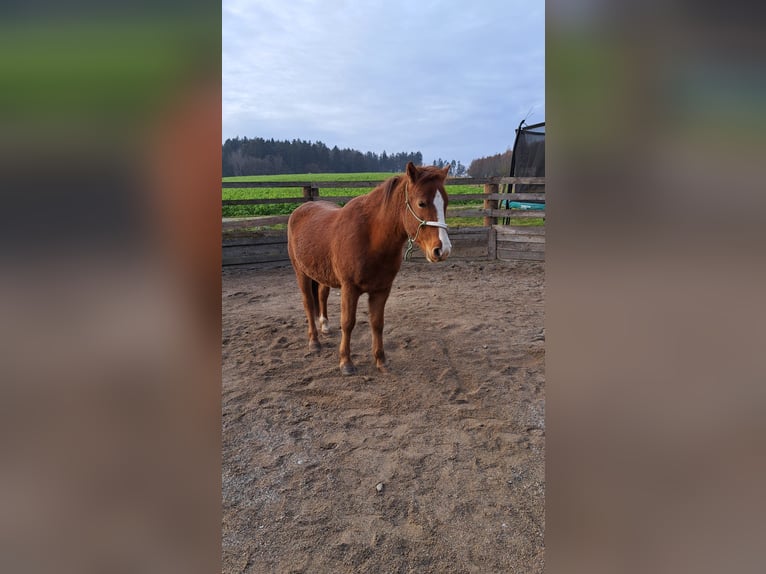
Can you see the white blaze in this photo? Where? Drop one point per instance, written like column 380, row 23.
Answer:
column 443, row 237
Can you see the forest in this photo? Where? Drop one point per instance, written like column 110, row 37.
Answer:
column 260, row 156
column 495, row 165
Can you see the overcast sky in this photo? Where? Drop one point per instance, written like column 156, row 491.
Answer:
column 451, row 79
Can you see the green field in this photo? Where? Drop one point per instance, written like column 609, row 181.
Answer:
column 454, row 192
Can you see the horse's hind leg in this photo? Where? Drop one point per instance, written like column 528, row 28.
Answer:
column 349, row 297
column 377, row 301
column 324, row 293
column 310, row 306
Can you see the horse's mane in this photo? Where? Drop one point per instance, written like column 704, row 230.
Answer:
column 427, row 173
column 388, row 187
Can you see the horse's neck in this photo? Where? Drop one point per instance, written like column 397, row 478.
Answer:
column 390, row 232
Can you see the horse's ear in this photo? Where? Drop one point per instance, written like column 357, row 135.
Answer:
column 412, row 171
column 446, row 170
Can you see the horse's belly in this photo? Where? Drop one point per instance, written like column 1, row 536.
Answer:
column 324, row 274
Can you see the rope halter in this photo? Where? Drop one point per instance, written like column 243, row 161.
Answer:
column 411, row 240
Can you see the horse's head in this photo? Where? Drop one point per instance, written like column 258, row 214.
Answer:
column 425, row 211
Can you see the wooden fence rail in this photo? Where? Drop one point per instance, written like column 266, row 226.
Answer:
column 339, row 199
column 373, row 183
column 491, row 241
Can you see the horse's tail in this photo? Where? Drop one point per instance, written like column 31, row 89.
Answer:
column 315, row 297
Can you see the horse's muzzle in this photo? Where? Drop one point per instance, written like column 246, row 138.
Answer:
column 437, row 254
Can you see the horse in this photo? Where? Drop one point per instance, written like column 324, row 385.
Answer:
column 358, row 249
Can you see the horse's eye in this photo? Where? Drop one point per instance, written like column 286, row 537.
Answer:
column 421, row 203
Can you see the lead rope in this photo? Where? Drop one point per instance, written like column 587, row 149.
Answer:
column 411, row 240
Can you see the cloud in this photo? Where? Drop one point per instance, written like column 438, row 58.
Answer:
column 449, row 79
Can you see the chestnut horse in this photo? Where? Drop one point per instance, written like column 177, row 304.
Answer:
column 358, row 248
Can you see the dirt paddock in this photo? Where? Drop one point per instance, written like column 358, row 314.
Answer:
column 436, row 467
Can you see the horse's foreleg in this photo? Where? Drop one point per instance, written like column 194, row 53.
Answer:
column 324, row 293
column 310, row 306
column 377, row 302
column 349, row 297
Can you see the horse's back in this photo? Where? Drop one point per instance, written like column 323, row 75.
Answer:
column 310, row 221
column 314, row 211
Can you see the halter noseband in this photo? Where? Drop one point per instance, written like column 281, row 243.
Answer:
column 411, row 240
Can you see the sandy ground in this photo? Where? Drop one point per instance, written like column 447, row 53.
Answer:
column 435, row 467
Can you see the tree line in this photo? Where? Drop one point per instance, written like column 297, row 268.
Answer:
column 495, row 165
column 259, row 156
column 456, row 168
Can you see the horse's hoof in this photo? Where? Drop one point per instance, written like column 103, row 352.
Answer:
column 383, row 368
column 347, row 369
column 314, row 347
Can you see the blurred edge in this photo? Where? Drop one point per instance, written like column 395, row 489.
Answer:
column 110, row 293
column 655, row 282
column 110, row 349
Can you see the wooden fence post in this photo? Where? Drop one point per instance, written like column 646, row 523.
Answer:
column 490, row 188
column 308, row 192
column 492, row 243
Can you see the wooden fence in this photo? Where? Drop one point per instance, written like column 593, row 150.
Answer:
column 492, row 241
